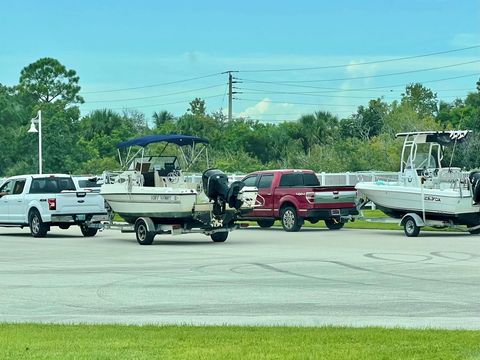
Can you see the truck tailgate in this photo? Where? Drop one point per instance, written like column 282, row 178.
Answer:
column 79, row 202
column 334, row 196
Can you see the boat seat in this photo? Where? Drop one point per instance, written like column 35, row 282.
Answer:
column 148, row 179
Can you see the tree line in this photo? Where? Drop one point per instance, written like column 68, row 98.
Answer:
column 320, row 141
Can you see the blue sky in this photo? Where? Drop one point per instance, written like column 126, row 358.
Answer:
column 124, row 44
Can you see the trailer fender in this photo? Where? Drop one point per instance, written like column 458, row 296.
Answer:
column 418, row 220
column 149, row 223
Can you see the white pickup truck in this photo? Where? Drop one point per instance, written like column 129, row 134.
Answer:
column 42, row 201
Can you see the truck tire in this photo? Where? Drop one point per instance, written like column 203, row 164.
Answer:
column 87, row 231
column 144, row 237
column 265, row 223
column 410, row 227
column 219, row 236
column 334, row 225
column 290, row 220
column 38, row 228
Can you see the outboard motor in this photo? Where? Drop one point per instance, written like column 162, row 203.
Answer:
column 474, row 178
column 215, row 185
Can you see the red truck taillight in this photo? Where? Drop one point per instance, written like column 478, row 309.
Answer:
column 52, row 204
column 310, row 196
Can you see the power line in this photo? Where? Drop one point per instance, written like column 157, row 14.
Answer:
column 330, row 89
column 162, row 104
column 306, row 93
column 155, row 96
column 153, row 85
column 377, row 76
column 363, row 63
column 294, row 103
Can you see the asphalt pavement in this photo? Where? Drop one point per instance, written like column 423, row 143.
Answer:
column 257, row 277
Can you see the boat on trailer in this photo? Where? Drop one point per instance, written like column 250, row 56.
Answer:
column 155, row 193
column 426, row 193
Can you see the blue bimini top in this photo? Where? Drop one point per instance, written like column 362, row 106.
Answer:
column 180, row 140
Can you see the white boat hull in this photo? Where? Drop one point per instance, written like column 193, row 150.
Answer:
column 164, row 203
column 397, row 200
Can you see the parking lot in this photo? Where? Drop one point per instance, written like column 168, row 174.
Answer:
column 257, row 277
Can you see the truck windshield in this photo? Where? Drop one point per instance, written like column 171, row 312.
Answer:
column 51, row 185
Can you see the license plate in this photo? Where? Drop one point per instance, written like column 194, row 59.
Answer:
column 335, row 212
column 80, row 217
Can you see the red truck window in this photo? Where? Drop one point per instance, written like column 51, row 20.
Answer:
column 265, row 181
column 310, row 179
column 250, row 181
column 294, row 179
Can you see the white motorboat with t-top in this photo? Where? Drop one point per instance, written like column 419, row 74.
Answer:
column 425, row 192
column 154, row 193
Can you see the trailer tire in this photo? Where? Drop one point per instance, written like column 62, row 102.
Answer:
column 144, row 237
column 87, row 231
column 410, row 227
column 265, row 223
column 219, row 236
column 474, row 232
column 38, row 228
column 334, row 225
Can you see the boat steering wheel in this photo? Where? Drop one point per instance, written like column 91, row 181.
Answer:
column 428, row 173
column 173, row 177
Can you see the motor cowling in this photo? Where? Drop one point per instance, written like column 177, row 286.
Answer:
column 474, row 178
column 217, row 189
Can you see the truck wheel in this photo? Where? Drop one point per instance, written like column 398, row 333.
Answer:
column 219, row 236
column 87, row 231
column 410, row 227
column 290, row 220
column 334, row 225
column 38, row 228
column 265, row 223
column 144, row 237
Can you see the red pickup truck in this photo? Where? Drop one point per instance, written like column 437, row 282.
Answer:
column 296, row 195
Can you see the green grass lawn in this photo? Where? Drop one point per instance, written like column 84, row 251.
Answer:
column 25, row 341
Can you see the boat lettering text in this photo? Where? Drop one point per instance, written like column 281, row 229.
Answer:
column 432, row 198
column 166, row 198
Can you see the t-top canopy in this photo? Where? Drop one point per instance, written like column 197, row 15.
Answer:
column 441, row 137
column 177, row 139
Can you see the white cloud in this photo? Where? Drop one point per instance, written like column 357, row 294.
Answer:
column 257, row 110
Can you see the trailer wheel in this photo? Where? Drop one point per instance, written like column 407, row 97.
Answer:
column 290, row 220
column 87, row 231
column 410, row 227
column 144, row 237
column 334, row 225
column 474, row 232
column 38, row 228
column 219, row 236
column 265, row 223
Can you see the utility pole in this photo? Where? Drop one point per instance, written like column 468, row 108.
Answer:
column 231, row 91
column 230, row 94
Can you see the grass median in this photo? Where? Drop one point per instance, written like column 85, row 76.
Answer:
column 35, row 341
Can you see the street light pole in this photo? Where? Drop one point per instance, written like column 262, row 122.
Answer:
column 38, row 120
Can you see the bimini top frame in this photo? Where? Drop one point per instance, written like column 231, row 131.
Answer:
column 177, row 139
column 436, row 139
